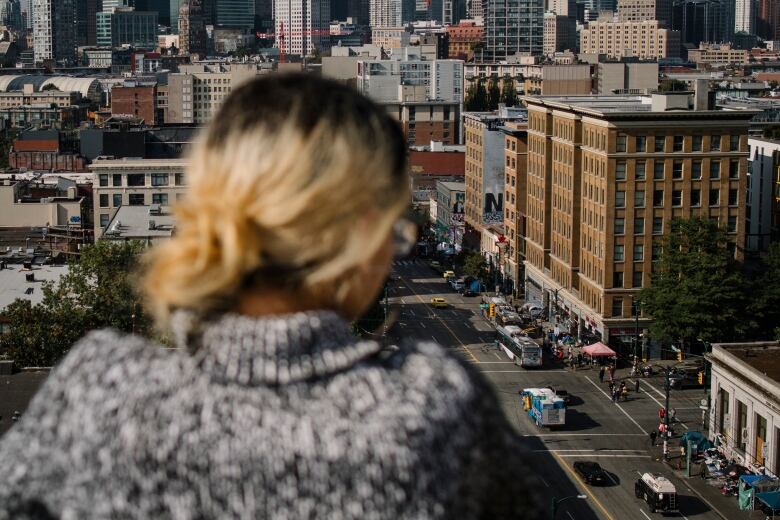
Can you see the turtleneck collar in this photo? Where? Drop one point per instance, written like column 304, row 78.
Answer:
column 271, row 350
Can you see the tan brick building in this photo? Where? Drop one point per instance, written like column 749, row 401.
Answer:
column 605, row 176
column 645, row 40
column 462, row 38
column 515, row 197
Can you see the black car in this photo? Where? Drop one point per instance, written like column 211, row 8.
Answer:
column 591, row 472
column 468, row 292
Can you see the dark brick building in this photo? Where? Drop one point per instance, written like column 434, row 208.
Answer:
column 136, row 101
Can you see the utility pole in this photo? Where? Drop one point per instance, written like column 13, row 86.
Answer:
column 667, row 389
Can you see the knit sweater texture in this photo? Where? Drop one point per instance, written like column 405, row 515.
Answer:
column 284, row 417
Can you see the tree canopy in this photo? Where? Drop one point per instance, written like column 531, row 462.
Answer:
column 493, row 93
column 475, row 266
column 698, row 291
column 508, row 91
column 476, row 97
column 98, row 291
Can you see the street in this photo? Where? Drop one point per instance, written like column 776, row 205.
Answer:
column 596, row 429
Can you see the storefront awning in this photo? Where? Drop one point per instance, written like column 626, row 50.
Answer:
column 599, row 350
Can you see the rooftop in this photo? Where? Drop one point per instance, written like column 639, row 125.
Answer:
column 106, row 162
column 17, row 391
column 14, row 284
column 453, row 186
column 762, row 357
column 141, row 223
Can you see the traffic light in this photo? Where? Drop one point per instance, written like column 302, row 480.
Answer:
column 679, row 355
column 700, row 377
column 492, row 310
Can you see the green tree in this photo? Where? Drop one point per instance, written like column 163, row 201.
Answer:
column 493, row 93
column 697, row 290
column 508, row 91
column 673, row 85
column 765, row 295
column 475, row 266
column 476, row 97
column 98, row 291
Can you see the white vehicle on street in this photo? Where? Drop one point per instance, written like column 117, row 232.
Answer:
column 517, row 345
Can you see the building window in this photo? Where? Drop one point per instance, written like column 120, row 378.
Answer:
column 640, row 170
column 136, row 179
column 657, row 249
column 641, row 143
column 135, row 199
column 637, row 281
column 620, row 226
column 621, row 143
column 734, row 169
column 715, row 170
column 696, row 170
column 734, row 143
column 695, row 198
column 696, row 143
column 117, row 199
column 732, row 224
column 617, row 307
column 617, row 279
column 104, row 200
column 103, row 220
column 658, row 225
column 733, row 197
column 178, row 179
column 639, row 253
column 620, row 199
column 659, row 143
column 658, row 170
column 677, row 143
column 116, row 180
column 715, row 143
column 676, row 198
column 159, row 179
column 103, row 179
column 160, row 198
column 714, row 197
column 658, row 198
column 639, row 226
column 639, row 199
column 620, row 170
column 619, row 253
column 677, row 170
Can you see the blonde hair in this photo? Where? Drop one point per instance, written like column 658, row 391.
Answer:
column 279, row 186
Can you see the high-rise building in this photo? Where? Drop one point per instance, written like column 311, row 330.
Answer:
column 11, row 13
column 54, row 30
column 474, row 9
column 86, row 21
column 641, row 10
column 513, row 26
column 768, row 20
column 192, row 30
column 704, row 21
column 645, row 40
column 563, row 7
column 26, row 13
column 605, row 177
column 560, row 33
column 234, row 13
column 126, row 26
column 302, row 26
column 391, row 13
column 745, row 16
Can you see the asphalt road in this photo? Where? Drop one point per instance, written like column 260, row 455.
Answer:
column 615, row 435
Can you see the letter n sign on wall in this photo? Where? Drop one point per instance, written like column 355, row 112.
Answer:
column 494, row 209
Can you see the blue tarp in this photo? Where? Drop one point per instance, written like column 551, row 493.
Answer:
column 752, row 479
column 770, row 498
column 698, row 440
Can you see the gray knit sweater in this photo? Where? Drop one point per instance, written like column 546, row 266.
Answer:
column 287, row 417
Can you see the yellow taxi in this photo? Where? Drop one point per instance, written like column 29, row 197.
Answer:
column 447, row 274
column 439, row 303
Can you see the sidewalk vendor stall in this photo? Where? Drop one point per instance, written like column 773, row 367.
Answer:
column 599, row 350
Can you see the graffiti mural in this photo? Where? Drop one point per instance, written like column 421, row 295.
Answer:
column 494, row 209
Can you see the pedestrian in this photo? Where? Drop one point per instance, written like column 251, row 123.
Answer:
column 653, row 436
column 579, row 359
column 601, row 375
column 636, row 387
column 611, row 387
column 623, row 392
column 616, row 395
column 612, row 372
column 633, row 369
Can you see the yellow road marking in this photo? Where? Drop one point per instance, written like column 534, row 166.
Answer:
column 473, row 357
column 571, row 472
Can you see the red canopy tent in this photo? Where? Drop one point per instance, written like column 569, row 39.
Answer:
column 599, row 350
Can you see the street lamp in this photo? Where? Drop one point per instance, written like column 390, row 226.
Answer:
column 557, row 501
column 635, row 304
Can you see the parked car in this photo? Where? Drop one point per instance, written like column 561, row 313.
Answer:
column 684, row 377
column 447, row 274
column 458, row 285
column 591, row 472
column 439, row 303
column 535, row 311
column 468, row 293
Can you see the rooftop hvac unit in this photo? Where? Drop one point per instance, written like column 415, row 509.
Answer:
column 30, row 277
column 27, row 265
column 155, row 209
column 152, row 225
